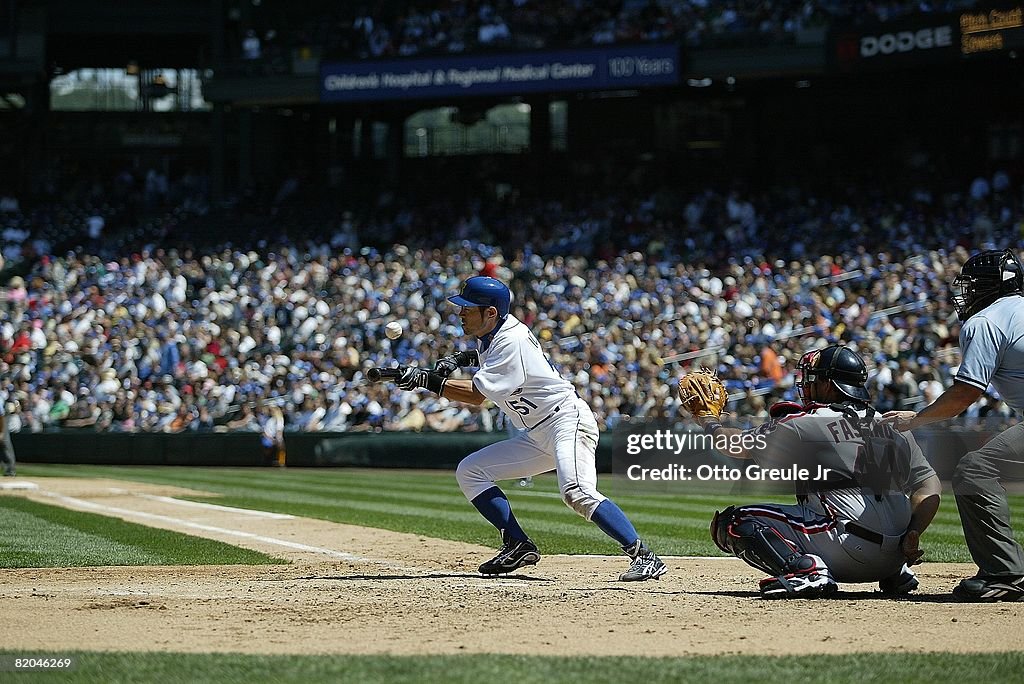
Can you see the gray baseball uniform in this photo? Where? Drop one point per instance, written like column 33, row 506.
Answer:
column 992, row 347
column 854, row 530
column 7, row 452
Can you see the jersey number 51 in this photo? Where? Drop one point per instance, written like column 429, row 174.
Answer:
column 522, row 406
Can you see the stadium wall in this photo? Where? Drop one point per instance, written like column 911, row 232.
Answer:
column 366, row 450
column 388, row 450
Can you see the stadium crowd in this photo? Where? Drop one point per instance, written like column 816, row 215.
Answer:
column 626, row 294
column 265, row 35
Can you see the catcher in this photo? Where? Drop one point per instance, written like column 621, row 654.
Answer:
column 861, row 524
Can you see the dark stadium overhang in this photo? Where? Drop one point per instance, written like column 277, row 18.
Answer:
column 109, row 33
column 262, row 91
column 74, row 51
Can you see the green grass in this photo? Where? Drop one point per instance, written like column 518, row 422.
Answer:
column 41, row 536
column 430, row 503
column 111, row 668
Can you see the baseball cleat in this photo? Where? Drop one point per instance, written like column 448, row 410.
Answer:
column 815, row 582
column 513, row 554
column 812, row 586
column 645, row 564
column 987, row 590
column 903, row 582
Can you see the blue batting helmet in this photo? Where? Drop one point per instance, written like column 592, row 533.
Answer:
column 484, row 291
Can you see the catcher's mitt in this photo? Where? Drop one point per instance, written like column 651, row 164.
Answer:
column 703, row 394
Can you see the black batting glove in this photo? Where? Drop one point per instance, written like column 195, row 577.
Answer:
column 451, row 363
column 415, row 378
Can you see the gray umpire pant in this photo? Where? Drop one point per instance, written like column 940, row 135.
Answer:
column 8, row 453
column 983, row 505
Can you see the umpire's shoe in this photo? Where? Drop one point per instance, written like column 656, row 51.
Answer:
column 989, row 589
column 646, row 565
column 513, row 554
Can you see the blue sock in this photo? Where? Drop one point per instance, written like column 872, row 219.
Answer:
column 494, row 506
column 613, row 522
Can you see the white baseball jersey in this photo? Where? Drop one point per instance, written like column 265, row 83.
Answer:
column 517, row 376
column 559, row 429
column 992, row 347
column 825, row 437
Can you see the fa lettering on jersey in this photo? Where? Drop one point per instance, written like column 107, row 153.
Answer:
column 827, row 438
column 516, row 374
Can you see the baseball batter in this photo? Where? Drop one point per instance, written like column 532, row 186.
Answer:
column 991, row 306
column 559, row 430
column 861, row 524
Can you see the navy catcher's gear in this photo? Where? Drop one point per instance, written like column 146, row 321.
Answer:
column 757, row 544
column 985, row 278
column 794, row 574
column 484, row 291
column 451, row 363
column 842, row 367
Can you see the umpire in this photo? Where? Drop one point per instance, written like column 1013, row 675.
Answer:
column 990, row 303
column 6, row 448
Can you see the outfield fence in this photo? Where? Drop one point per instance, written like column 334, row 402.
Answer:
column 433, row 450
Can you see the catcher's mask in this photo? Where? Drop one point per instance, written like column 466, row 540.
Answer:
column 841, row 366
column 984, row 278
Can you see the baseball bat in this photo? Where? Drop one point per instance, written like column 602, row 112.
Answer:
column 380, row 374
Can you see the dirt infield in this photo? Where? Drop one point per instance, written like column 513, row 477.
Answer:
column 359, row 590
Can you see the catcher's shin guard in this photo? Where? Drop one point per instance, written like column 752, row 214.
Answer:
column 757, row 544
column 720, row 529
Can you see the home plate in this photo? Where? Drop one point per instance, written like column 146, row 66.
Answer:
column 18, row 484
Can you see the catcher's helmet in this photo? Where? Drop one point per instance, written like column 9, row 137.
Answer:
column 985, row 278
column 484, row 291
column 839, row 365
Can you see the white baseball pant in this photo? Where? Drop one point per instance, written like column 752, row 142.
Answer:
column 565, row 442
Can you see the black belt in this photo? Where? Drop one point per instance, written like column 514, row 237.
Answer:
column 547, row 418
column 864, row 533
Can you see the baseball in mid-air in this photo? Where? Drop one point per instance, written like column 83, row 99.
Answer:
column 393, row 330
